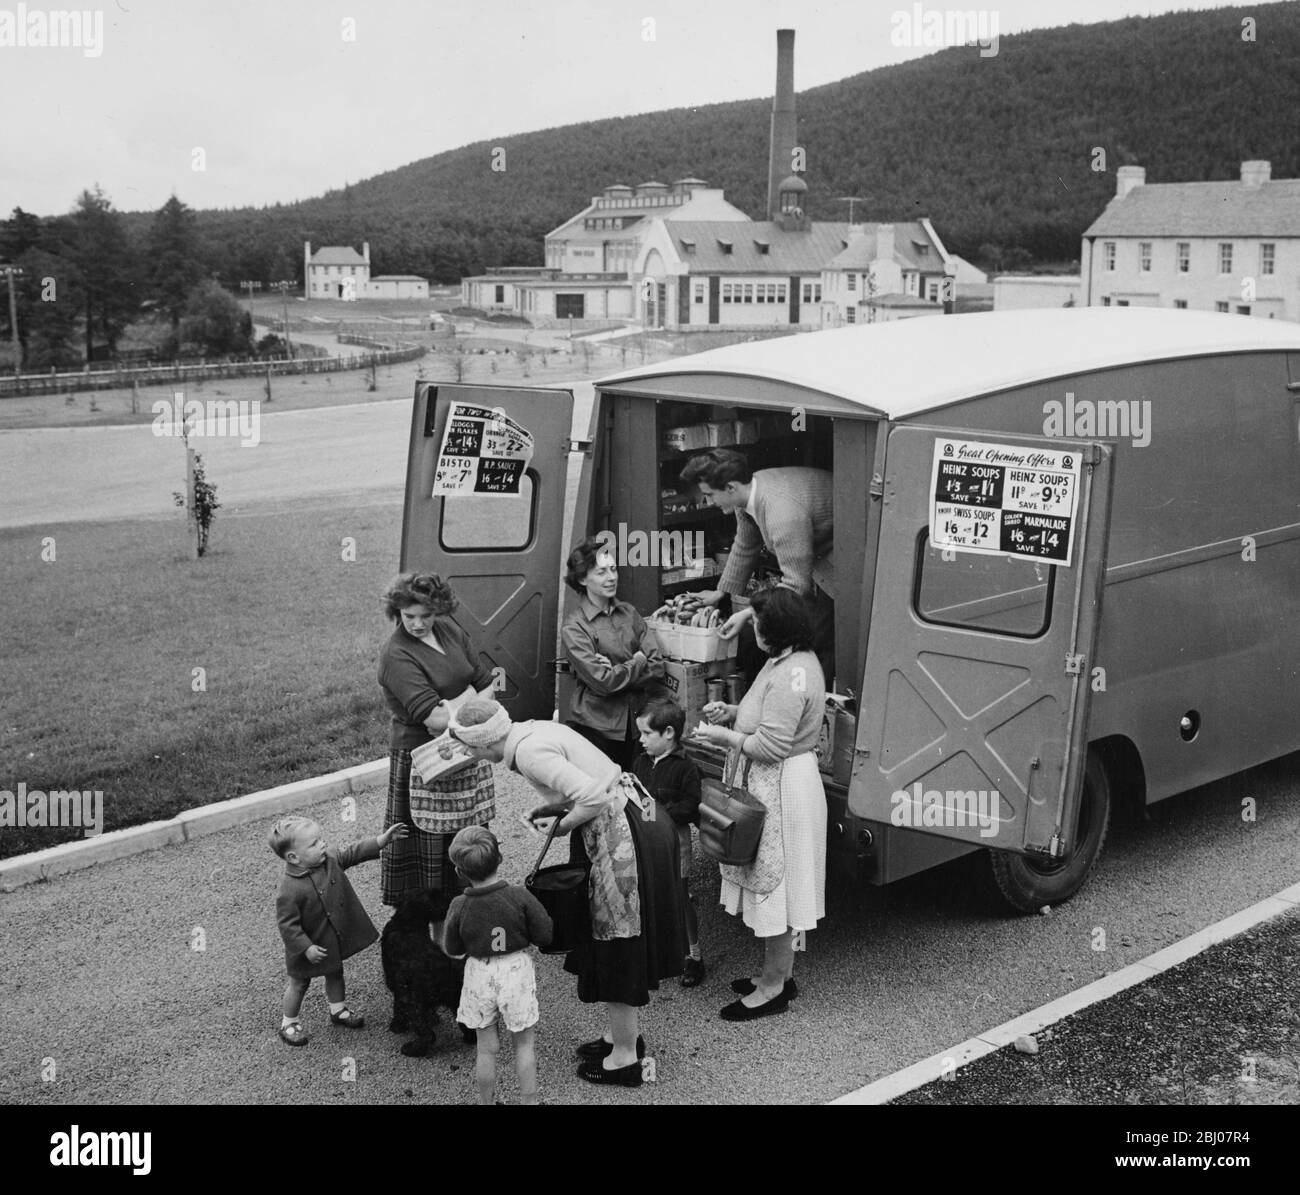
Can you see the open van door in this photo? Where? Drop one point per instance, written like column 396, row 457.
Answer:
column 485, row 510
column 974, row 710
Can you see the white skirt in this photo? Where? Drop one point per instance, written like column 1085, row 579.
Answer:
column 799, row 900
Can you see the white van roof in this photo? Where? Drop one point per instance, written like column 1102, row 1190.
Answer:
column 905, row 367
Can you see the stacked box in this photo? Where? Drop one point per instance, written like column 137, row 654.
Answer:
column 687, row 682
column 685, row 439
column 721, row 434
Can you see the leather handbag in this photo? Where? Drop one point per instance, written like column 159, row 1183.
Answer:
column 731, row 819
column 562, row 891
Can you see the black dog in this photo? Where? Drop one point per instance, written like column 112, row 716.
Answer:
column 417, row 972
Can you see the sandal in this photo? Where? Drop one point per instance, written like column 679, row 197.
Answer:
column 348, row 1019
column 293, row 1034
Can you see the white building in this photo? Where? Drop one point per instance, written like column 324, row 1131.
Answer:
column 336, row 272
column 397, row 286
column 1209, row 246
column 887, row 272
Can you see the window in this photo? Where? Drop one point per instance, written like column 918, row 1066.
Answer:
column 1108, row 249
column 1001, row 594
column 1267, row 252
column 1121, row 302
column 489, row 522
column 1105, row 300
column 749, row 292
column 726, row 292
column 850, row 315
column 699, row 292
column 1184, row 256
column 569, row 306
column 1243, row 308
column 853, row 281
column 500, row 294
column 1225, row 257
column 780, row 292
column 1181, row 304
column 1144, row 256
column 1220, row 307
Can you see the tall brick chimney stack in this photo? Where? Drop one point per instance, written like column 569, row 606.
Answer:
column 783, row 138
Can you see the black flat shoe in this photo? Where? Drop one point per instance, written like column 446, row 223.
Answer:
column 692, row 973
column 744, row 985
column 624, row 1076
column 739, row 1011
column 600, row 1048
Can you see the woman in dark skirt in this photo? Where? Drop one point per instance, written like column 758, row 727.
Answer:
column 428, row 661
column 636, row 931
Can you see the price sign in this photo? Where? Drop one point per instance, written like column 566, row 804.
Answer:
column 483, row 452
column 1004, row 499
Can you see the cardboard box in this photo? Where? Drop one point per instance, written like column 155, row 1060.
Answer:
column 685, row 439
column 721, row 435
column 746, row 431
column 687, row 682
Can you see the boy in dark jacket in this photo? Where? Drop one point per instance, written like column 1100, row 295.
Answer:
column 493, row 923
column 674, row 782
column 321, row 920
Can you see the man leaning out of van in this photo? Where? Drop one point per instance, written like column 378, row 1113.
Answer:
column 789, row 511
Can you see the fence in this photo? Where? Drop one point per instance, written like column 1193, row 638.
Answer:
column 164, row 375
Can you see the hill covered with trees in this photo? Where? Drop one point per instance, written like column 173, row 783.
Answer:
column 997, row 151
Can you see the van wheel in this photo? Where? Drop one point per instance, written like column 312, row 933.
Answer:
column 1027, row 884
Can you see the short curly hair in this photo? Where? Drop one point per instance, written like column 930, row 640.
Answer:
column 583, row 559
column 783, row 618
column 418, row 589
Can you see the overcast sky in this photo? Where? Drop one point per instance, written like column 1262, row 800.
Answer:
column 289, row 98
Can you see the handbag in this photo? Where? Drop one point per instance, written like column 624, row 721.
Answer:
column 561, row 889
column 731, row 819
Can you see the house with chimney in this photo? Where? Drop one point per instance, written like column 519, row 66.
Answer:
column 887, row 272
column 1207, row 246
column 340, row 272
column 335, row 272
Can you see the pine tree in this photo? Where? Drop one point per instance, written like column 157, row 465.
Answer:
column 174, row 267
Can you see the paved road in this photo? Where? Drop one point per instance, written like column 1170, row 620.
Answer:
column 110, row 988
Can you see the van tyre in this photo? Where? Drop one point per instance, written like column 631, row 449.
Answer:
column 1027, row 884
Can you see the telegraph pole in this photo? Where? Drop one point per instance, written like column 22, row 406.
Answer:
column 12, row 272
column 851, row 200
column 284, row 288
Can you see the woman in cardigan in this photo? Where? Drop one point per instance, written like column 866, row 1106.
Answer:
column 614, row 656
column 637, row 931
column 775, row 727
column 427, row 661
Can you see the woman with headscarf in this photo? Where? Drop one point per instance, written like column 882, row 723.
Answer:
column 637, row 931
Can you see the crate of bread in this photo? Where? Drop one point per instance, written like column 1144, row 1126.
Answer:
column 687, row 629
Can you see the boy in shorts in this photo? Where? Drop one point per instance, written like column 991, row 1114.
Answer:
column 674, row 782
column 494, row 923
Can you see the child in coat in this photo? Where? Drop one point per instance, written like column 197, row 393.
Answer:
column 494, row 923
column 674, row 782
column 321, row 919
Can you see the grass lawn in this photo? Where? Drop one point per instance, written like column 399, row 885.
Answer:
column 101, row 645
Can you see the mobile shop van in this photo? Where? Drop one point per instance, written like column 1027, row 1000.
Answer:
column 1066, row 544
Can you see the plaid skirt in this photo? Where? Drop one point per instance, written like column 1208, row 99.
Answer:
column 420, row 860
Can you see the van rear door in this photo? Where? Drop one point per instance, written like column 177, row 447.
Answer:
column 973, row 719
column 499, row 551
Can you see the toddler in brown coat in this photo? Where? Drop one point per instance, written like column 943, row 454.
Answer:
column 321, row 919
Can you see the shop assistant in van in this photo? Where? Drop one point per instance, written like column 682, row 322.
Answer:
column 787, row 510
